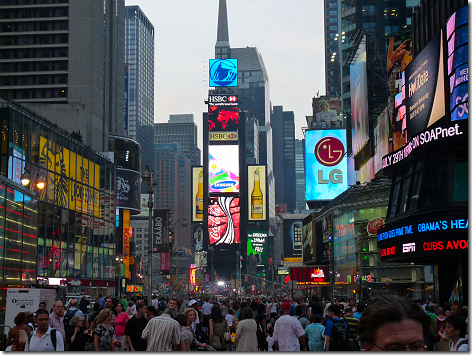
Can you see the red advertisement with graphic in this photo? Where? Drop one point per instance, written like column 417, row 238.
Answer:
column 223, row 220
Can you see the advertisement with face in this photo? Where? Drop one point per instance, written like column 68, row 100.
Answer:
column 327, row 112
column 223, row 220
column 359, row 95
column 257, row 248
column 198, row 235
column 325, row 164
column 197, row 194
column 257, row 196
column 292, row 238
column 400, row 54
column 308, row 239
column 223, row 168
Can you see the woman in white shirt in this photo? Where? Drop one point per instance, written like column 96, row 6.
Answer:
column 273, row 308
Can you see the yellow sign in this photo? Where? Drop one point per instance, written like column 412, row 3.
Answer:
column 293, row 260
column 257, row 196
column 134, row 288
column 72, row 181
column 197, row 194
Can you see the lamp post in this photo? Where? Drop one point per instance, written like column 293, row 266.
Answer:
column 148, row 178
column 184, row 224
column 26, row 179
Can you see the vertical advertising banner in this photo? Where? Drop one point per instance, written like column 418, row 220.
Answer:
column 257, row 195
column 192, row 275
column 309, row 239
column 126, row 240
column 165, row 263
column 325, row 164
column 257, row 248
column 293, row 239
column 424, row 80
column 381, row 134
column 197, row 194
column 223, row 168
column 160, row 230
column 457, row 34
column 359, row 106
column 198, row 236
column 223, row 220
column 398, row 59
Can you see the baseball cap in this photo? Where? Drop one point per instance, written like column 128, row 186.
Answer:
column 192, row 302
column 285, row 305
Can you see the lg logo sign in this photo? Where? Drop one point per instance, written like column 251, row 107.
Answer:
column 329, row 152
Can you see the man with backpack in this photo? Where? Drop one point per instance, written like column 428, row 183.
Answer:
column 72, row 311
column 337, row 330
column 44, row 338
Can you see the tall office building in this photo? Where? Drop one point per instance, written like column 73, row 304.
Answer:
column 379, row 20
column 300, row 203
column 139, row 82
column 65, row 61
column 283, row 123
column 173, row 190
column 333, row 39
column 253, row 93
column 183, row 130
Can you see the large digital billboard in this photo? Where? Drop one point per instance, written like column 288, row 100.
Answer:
column 257, row 248
column 257, row 195
column 223, row 117
column 309, row 239
column 223, row 72
column 457, row 34
column 223, row 168
column 223, row 220
column 325, row 164
column 381, row 134
column 424, row 88
column 197, row 193
column 359, row 96
column 398, row 58
column 306, row 276
column 293, row 238
column 326, row 112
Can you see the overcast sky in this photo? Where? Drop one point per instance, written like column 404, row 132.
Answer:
column 288, row 34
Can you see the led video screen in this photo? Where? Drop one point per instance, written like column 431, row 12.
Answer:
column 223, row 168
column 223, row 220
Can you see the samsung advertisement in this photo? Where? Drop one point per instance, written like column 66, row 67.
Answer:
column 257, row 248
column 325, row 164
column 223, row 168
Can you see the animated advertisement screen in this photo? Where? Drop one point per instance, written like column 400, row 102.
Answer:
column 223, row 220
column 316, row 275
column 197, row 193
column 293, row 239
column 325, row 164
column 257, row 248
column 223, row 168
column 223, row 117
column 359, row 106
column 257, row 196
column 223, row 72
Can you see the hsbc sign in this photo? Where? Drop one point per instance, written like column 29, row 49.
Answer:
column 224, row 136
column 221, row 100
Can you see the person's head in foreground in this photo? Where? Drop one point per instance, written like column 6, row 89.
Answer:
column 394, row 323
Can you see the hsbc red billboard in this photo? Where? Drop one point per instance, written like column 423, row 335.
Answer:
column 306, row 276
column 223, row 117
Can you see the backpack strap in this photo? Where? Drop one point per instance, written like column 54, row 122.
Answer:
column 53, row 337
column 462, row 342
column 30, row 335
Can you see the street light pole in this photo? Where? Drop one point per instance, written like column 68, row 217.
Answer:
column 148, row 178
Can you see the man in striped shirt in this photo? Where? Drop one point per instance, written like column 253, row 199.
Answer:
column 163, row 332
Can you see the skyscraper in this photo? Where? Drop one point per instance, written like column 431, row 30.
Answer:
column 253, row 93
column 300, row 203
column 284, row 148
column 180, row 129
column 332, row 48
column 65, row 61
column 139, row 82
column 173, row 188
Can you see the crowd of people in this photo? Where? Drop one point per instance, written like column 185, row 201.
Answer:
column 388, row 323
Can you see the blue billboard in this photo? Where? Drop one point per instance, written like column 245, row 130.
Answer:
column 223, row 72
column 325, row 164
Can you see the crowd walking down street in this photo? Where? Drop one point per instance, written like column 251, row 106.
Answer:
column 387, row 323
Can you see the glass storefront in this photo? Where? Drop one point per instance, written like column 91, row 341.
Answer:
column 69, row 230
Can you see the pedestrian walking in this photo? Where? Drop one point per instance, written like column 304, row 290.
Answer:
column 17, row 336
column 218, row 326
column 314, row 334
column 77, row 334
column 261, row 321
column 456, row 331
column 120, row 325
column 200, row 337
column 56, row 318
column 134, row 329
column 163, row 332
column 246, row 332
column 104, row 331
column 44, row 338
column 288, row 332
